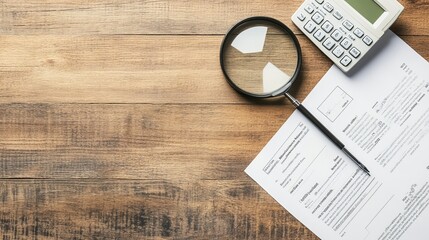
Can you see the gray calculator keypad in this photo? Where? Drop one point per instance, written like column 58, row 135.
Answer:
column 338, row 38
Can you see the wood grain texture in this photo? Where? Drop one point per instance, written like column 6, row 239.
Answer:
column 147, row 209
column 162, row 16
column 132, row 69
column 138, row 141
column 116, row 121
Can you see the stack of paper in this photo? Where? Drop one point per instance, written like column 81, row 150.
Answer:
column 381, row 114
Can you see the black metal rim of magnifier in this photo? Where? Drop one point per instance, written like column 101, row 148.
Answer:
column 281, row 25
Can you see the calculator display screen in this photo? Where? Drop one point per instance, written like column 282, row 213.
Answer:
column 369, row 9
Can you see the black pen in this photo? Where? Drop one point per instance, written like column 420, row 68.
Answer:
column 322, row 128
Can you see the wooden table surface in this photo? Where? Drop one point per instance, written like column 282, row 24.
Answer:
column 116, row 121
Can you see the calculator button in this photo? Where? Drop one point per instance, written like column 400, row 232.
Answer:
column 319, row 1
column 359, row 33
column 328, row 7
column 317, row 17
column 319, row 35
column 310, row 26
column 346, row 61
column 367, row 40
column 338, row 51
column 301, row 16
column 329, row 43
column 337, row 15
column 346, row 43
column 354, row 52
column 327, row 26
column 309, row 9
column 348, row 25
column 337, row 35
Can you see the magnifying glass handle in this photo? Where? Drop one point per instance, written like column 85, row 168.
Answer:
column 322, row 128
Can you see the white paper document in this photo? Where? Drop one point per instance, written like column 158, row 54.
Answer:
column 381, row 114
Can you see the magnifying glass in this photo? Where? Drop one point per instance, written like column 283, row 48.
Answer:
column 261, row 57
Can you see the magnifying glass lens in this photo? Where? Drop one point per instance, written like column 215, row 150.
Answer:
column 260, row 58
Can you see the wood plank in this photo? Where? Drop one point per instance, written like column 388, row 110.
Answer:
column 114, row 127
column 162, row 16
column 151, row 209
column 194, row 141
column 132, row 69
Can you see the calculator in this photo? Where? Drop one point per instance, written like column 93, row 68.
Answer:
column 345, row 30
